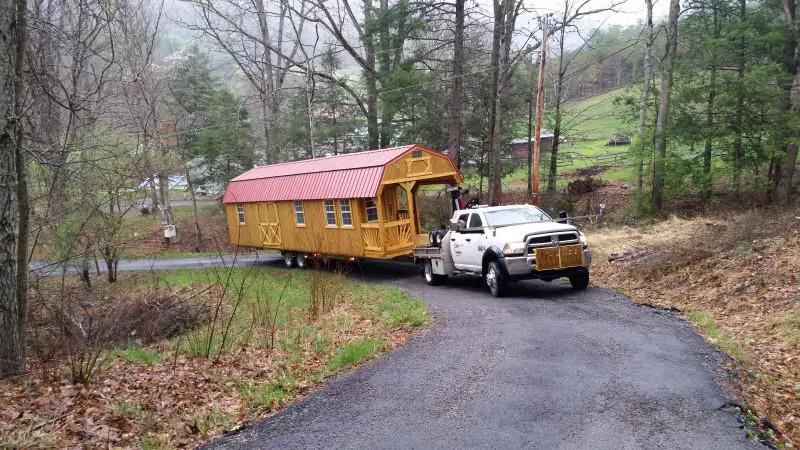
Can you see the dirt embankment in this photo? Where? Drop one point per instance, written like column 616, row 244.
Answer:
column 738, row 279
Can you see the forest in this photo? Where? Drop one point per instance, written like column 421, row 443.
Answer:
column 112, row 113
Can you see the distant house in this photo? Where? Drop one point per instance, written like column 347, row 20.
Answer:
column 519, row 147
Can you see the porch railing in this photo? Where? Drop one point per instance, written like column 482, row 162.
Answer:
column 393, row 236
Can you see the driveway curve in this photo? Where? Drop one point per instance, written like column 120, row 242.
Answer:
column 546, row 367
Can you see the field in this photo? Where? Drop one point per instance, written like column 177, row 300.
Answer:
column 587, row 126
column 172, row 359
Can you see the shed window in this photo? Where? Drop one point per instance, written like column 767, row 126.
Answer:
column 240, row 213
column 299, row 215
column 372, row 210
column 416, row 153
column 330, row 213
column 347, row 215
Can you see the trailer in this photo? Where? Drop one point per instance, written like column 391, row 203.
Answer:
column 357, row 205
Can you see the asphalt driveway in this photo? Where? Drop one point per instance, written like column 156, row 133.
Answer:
column 547, row 367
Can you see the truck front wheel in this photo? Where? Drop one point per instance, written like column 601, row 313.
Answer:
column 580, row 280
column 496, row 281
column 431, row 278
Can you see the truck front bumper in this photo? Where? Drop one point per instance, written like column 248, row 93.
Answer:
column 524, row 267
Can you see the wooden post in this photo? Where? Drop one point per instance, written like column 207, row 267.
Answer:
column 537, row 143
column 412, row 204
column 381, row 220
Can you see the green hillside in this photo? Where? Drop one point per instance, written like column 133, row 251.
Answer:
column 587, row 125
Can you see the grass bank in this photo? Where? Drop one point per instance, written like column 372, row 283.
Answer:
column 261, row 339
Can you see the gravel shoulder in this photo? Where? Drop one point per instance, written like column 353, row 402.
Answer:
column 546, row 367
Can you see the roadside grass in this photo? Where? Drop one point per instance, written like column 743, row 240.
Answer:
column 705, row 322
column 267, row 339
column 139, row 355
column 354, row 353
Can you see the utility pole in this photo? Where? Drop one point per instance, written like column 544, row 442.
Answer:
column 537, row 143
column 530, row 129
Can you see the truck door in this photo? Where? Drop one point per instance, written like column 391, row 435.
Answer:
column 474, row 242
column 458, row 243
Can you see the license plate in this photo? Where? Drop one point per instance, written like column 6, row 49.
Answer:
column 559, row 257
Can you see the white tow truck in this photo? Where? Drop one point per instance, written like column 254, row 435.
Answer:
column 504, row 244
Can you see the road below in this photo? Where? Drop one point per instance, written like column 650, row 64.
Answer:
column 43, row 268
column 547, row 367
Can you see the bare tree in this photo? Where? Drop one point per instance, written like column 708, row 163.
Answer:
column 660, row 148
column 644, row 100
column 14, row 202
column 456, row 133
column 263, row 54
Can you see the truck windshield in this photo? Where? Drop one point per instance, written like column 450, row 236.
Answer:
column 514, row 216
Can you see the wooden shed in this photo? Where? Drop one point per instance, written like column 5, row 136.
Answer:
column 353, row 205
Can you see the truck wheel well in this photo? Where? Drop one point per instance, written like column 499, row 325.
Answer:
column 488, row 257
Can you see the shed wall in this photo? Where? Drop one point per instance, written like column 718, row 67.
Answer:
column 314, row 237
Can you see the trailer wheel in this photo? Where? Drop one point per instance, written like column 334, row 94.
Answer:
column 431, row 278
column 302, row 261
column 289, row 259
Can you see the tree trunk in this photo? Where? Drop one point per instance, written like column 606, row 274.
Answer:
column 784, row 170
column 660, row 148
column 505, row 24
column 738, row 121
column 708, row 184
column 198, row 243
column 373, row 132
column 648, row 70
column 13, row 278
column 268, row 93
column 455, row 140
column 553, row 172
column 497, row 36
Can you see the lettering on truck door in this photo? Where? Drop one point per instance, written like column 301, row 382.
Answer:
column 475, row 242
column 458, row 243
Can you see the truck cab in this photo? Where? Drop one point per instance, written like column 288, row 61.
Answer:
column 504, row 244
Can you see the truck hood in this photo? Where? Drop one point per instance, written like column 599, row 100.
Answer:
column 516, row 233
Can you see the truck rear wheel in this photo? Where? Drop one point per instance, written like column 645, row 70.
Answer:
column 580, row 280
column 496, row 281
column 431, row 278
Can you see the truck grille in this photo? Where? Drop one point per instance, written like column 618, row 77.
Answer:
column 550, row 240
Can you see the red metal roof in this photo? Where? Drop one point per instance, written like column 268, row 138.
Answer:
column 353, row 175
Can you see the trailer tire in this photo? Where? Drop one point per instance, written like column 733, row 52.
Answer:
column 431, row 278
column 302, row 261
column 289, row 260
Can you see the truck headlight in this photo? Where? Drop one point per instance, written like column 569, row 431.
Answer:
column 584, row 240
column 514, row 248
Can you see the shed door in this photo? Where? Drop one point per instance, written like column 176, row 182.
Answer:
column 269, row 224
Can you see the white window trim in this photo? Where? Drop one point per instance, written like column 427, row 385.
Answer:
column 325, row 211
column 302, row 211
column 240, row 214
column 367, row 208
column 349, row 211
